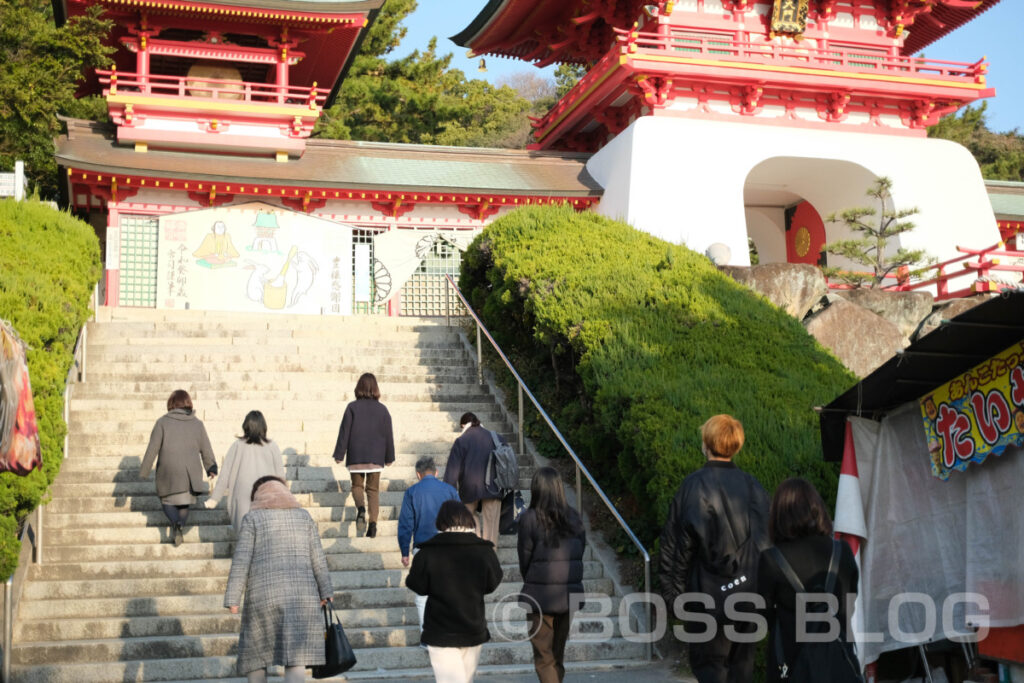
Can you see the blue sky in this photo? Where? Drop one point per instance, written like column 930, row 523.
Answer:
column 997, row 34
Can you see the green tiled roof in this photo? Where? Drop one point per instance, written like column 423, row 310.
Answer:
column 1007, row 199
column 345, row 164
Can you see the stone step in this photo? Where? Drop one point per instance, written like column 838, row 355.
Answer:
column 331, row 533
column 144, row 503
column 606, row 669
column 297, row 370
column 131, row 406
column 365, row 627
column 340, row 557
column 434, row 430
column 349, row 572
column 397, row 477
column 212, row 601
column 297, row 466
column 199, row 584
column 278, row 327
column 268, row 356
column 225, row 423
column 262, row 389
column 372, row 661
column 296, row 329
column 171, row 566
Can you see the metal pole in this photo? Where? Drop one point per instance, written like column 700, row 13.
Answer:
column 522, row 449
column 648, row 646
column 38, row 554
column 579, row 491
column 85, row 339
column 67, row 418
column 479, row 358
column 447, row 307
column 8, row 627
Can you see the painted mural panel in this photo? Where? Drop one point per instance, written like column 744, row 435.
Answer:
column 254, row 257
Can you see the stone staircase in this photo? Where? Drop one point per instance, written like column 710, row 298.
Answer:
column 115, row 601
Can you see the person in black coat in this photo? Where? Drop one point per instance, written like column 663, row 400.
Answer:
column 716, row 528
column 367, row 445
column 800, row 527
column 466, row 470
column 551, row 543
column 454, row 569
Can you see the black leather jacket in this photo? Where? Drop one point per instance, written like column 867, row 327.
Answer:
column 717, row 526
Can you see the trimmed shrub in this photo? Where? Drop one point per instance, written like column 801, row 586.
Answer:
column 631, row 343
column 49, row 262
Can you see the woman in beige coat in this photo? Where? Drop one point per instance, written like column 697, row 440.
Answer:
column 250, row 457
column 182, row 450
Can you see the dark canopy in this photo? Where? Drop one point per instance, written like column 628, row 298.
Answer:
column 954, row 348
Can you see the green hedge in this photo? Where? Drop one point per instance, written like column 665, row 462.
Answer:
column 49, row 262
column 631, row 343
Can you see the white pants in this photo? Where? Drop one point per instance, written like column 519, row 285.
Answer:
column 421, row 608
column 421, row 600
column 454, row 664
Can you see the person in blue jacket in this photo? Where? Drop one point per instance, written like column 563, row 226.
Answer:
column 416, row 522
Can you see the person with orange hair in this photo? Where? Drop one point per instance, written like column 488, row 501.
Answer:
column 717, row 527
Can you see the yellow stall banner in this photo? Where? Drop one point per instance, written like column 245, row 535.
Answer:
column 976, row 414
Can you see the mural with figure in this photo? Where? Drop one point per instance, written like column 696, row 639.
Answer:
column 262, row 277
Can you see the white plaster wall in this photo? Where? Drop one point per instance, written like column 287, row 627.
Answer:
column 682, row 180
column 767, row 227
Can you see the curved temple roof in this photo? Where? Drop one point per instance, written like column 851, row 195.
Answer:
column 573, row 31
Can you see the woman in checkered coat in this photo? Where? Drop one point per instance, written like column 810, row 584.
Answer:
column 280, row 567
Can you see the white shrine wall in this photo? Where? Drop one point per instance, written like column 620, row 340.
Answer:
column 683, row 180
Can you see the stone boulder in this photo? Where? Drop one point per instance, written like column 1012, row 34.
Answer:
column 793, row 287
column 860, row 339
column 905, row 309
column 947, row 310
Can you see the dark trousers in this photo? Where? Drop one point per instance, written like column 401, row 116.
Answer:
column 721, row 660
column 550, row 631
column 370, row 482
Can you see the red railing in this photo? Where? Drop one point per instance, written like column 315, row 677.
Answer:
column 958, row 267
column 210, row 88
column 834, row 58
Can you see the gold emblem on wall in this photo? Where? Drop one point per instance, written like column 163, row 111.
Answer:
column 789, row 17
column 802, row 241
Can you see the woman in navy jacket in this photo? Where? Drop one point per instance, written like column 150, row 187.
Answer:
column 367, row 445
column 551, row 543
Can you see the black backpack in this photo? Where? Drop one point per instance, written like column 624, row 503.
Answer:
column 832, row 661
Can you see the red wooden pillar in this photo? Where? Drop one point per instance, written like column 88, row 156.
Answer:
column 142, row 61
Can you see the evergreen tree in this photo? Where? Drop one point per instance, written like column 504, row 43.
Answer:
column 871, row 249
column 1000, row 155
column 41, row 67
column 419, row 98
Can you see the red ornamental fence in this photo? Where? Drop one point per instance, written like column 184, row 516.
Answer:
column 982, row 263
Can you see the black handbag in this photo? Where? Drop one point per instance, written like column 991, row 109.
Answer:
column 339, row 655
column 512, row 507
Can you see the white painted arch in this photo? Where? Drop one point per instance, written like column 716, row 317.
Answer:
column 684, row 180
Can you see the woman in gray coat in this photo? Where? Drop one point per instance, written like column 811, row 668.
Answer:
column 182, row 450
column 252, row 456
column 280, row 567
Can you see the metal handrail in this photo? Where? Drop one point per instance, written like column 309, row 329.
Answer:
column 34, row 532
column 581, row 469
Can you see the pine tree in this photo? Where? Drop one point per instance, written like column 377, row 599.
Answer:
column 419, row 98
column 871, row 249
